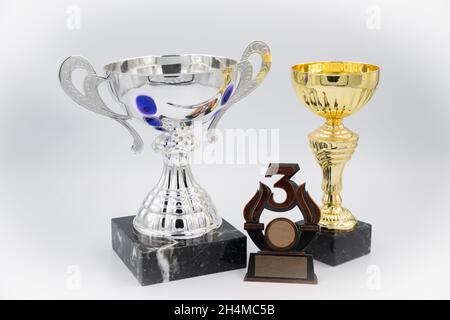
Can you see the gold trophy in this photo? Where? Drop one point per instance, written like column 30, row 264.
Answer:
column 335, row 90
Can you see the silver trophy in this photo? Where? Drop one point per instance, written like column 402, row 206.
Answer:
column 168, row 93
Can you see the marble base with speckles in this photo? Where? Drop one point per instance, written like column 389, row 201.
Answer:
column 335, row 248
column 154, row 261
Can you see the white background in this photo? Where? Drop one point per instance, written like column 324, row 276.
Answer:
column 65, row 172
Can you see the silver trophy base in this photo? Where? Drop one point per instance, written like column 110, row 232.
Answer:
column 178, row 213
column 162, row 260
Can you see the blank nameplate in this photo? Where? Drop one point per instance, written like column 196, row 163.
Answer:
column 281, row 266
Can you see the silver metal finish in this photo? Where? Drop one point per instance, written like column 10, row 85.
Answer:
column 169, row 93
column 246, row 82
column 91, row 99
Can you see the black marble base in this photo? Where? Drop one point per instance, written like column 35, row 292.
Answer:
column 159, row 261
column 339, row 247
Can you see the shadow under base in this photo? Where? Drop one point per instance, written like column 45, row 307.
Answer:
column 163, row 260
column 335, row 248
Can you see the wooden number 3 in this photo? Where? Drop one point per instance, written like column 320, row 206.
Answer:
column 287, row 170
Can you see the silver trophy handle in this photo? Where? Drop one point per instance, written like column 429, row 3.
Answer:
column 246, row 81
column 91, row 99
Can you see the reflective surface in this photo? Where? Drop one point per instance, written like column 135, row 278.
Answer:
column 334, row 90
column 168, row 93
column 175, row 89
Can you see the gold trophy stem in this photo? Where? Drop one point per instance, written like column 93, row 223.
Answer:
column 333, row 145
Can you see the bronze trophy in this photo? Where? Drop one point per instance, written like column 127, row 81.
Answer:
column 282, row 243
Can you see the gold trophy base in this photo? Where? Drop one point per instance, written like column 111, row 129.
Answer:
column 335, row 248
column 336, row 218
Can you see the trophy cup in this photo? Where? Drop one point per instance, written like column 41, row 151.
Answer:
column 282, row 243
column 177, row 233
column 335, row 90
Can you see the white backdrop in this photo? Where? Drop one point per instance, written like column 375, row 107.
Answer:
column 65, row 172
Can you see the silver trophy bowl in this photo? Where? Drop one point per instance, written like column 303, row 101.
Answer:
column 169, row 93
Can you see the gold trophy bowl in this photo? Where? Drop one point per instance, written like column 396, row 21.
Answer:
column 334, row 90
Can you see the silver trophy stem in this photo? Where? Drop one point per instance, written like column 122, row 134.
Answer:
column 177, row 207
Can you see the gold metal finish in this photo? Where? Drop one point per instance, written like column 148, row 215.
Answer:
column 334, row 90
